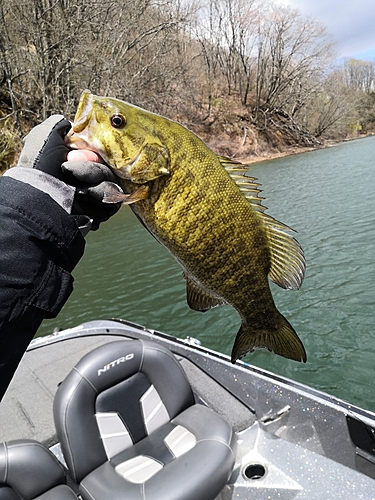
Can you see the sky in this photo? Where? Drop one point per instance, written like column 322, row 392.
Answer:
column 350, row 22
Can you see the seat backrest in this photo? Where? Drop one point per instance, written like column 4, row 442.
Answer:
column 27, row 470
column 115, row 396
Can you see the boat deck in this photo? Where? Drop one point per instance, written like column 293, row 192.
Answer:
column 26, row 409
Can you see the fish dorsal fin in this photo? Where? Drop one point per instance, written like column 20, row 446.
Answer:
column 198, row 299
column 287, row 258
column 249, row 186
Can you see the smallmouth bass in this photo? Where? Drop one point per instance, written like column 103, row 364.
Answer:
column 205, row 211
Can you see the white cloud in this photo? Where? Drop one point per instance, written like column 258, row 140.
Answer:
column 352, row 23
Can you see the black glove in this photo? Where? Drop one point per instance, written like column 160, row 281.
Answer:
column 79, row 187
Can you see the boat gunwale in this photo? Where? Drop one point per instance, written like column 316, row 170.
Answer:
column 112, row 327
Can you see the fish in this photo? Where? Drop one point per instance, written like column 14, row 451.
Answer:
column 206, row 210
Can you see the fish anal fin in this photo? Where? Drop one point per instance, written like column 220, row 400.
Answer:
column 198, row 299
column 282, row 341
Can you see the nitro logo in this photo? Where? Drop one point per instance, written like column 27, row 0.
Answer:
column 114, row 363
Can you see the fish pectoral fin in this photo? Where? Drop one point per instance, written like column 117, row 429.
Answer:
column 113, row 195
column 282, row 341
column 198, row 299
column 288, row 263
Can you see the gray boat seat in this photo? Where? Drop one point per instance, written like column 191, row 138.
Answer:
column 28, row 471
column 129, row 427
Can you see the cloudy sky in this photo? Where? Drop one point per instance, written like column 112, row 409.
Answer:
column 351, row 22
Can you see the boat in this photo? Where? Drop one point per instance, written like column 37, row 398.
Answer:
column 289, row 441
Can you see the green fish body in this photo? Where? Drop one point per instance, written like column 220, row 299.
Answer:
column 205, row 212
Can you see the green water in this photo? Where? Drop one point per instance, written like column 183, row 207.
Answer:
column 328, row 196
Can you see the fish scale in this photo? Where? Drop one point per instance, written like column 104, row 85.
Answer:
column 205, row 211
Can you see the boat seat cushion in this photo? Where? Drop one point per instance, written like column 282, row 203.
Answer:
column 7, row 493
column 29, row 471
column 151, row 470
column 128, row 423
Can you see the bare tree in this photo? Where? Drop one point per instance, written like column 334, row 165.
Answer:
column 42, row 40
column 267, row 60
column 293, row 53
column 331, row 108
column 10, row 73
column 360, row 75
column 226, row 32
column 56, row 48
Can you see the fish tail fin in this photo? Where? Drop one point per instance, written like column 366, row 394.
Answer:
column 282, row 340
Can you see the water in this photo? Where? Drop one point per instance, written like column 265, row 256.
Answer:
column 328, row 196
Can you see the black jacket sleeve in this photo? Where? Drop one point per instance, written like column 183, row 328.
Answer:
column 40, row 244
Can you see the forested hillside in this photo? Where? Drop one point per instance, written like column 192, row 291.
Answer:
column 246, row 75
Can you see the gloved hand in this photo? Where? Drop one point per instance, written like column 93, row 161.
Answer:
column 78, row 186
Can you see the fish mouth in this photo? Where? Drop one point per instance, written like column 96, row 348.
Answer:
column 84, row 112
column 77, row 138
column 74, row 141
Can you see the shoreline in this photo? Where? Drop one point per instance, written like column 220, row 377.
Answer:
column 275, row 156
column 295, row 150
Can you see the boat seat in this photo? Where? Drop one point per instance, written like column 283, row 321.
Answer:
column 29, row 471
column 129, row 427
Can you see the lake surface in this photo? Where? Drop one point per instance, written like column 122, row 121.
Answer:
column 328, row 196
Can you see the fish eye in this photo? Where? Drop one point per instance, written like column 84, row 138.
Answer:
column 118, row 121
